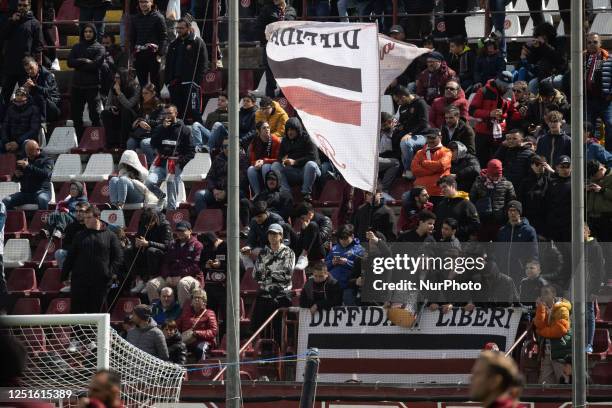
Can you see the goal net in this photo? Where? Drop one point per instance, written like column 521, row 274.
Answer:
column 65, row 351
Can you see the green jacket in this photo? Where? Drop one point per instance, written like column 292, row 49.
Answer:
column 601, row 202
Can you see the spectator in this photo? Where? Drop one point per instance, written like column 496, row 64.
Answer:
column 555, row 143
column 213, row 261
column 258, row 227
column 417, row 200
column 198, row 325
column 271, row 112
column 495, row 12
column 186, row 61
column 431, row 162
column 533, row 191
column 181, row 266
column 246, row 118
column 298, row 159
column 279, row 10
column 104, row 390
column 341, row 258
column 519, row 231
column 493, row 375
column 172, row 141
column 114, row 59
column 70, row 232
column 21, row 123
column 532, row 285
column 272, row 272
column 177, row 350
column 432, row 81
column 40, row 84
column 4, row 294
column 420, row 23
column 148, row 38
column 544, row 59
column 489, row 64
column 462, row 59
column 456, row 205
column 93, row 12
column 498, row 290
column 214, row 130
column 596, row 278
column 146, row 335
column 552, row 322
column 453, row 96
column 491, row 193
column 523, row 98
column 119, row 114
column 149, row 116
column 464, row 166
column 22, row 35
column 388, row 165
column 166, row 307
column 153, row 238
column 263, row 151
column 424, row 230
column 280, row 202
column 315, row 233
column 598, row 75
column 548, row 99
column 515, row 158
column 321, row 291
column 65, row 210
column 86, row 58
column 599, row 199
column 128, row 186
column 374, row 215
column 492, row 106
column 593, row 150
column 407, row 136
column 34, row 174
column 93, row 259
column 457, row 129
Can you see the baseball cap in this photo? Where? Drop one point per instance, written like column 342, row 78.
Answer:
column 183, row 226
column 564, row 160
column 505, row 77
column 277, row 229
column 396, row 29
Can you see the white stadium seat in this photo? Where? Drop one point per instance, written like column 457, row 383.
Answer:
column 7, row 188
column 475, row 26
column 211, row 105
column 197, row 168
column 182, row 195
column 512, row 26
column 99, row 168
column 62, row 140
column 67, row 167
column 602, row 24
column 16, row 253
column 386, row 104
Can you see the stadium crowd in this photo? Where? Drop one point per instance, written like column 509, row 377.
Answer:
column 475, row 152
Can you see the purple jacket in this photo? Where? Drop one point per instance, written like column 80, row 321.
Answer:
column 182, row 260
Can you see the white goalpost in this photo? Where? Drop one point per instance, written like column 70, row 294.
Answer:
column 65, row 351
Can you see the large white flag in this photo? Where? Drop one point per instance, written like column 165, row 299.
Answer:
column 329, row 72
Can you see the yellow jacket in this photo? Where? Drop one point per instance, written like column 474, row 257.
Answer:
column 276, row 120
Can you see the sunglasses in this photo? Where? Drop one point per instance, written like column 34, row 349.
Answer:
column 449, row 88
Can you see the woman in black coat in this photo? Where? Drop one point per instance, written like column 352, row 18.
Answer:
column 121, row 107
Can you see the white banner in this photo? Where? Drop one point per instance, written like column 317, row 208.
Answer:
column 395, row 56
column 359, row 343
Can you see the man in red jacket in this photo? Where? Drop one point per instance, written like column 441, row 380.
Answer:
column 181, row 267
column 453, row 95
column 492, row 105
column 430, row 83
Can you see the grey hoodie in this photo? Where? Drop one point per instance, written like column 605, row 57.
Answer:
column 149, row 339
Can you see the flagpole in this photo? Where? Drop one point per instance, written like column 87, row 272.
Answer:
column 376, row 161
column 578, row 267
column 233, row 394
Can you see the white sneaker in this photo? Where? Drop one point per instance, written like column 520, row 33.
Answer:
column 138, row 287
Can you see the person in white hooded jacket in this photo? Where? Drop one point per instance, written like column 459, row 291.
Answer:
column 128, row 187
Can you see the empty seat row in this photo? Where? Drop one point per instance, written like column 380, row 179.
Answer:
column 18, row 253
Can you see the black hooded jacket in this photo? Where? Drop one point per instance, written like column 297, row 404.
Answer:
column 184, row 56
column 516, row 162
column 174, row 140
column 247, row 130
column 87, row 58
column 177, row 350
column 301, row 149
column 281, row 202
column 159, row 236
column 45, row 87
column 21, row 123
column 379, row 217
column 465, row 167
column 149, row 29
column 21, row 38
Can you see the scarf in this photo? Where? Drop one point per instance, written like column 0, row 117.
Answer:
column 592, row 65
column 430, row 150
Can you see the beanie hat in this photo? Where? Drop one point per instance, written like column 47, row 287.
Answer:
column 516, row 205
column 545, row 88
column 435, row 55
column 79, row 186
column 494, row 168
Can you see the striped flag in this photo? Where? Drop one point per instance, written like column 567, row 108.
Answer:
column 329, row 72
column 359, row 343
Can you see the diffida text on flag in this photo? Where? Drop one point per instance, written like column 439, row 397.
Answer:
column 295, row 36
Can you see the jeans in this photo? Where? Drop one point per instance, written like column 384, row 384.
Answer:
column 319, row 8
column 40, row 197
column 348, row 297
column 409, row 148
column 499, row 20
column 60, row 257
column 202, row 200
column 91, row 14
column 157, row 175
column 598, row 108
column 200, row 136
column 590, row 323
column 256, row 177
column 342, row 10
column 293, row 175
column 388, row 168
column 121, row 191
column 147, row 68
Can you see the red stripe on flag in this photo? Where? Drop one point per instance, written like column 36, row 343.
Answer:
column 324, row 106
column 401, row 366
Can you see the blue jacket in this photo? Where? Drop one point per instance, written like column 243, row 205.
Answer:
column 606, row 77
column 551, row 147
column 160, row 315
column 342, row 273
column 595, row 151
column 513, row 258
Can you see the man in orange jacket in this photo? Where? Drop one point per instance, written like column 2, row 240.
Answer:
column 430, row 163
column 552, row 322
